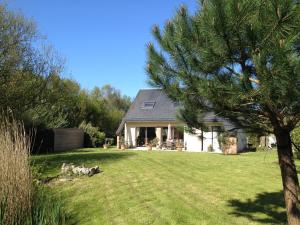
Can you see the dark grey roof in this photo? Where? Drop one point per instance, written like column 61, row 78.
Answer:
column 164, row 110
column 213, row 118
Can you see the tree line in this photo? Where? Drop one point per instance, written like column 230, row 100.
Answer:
column 33, row 90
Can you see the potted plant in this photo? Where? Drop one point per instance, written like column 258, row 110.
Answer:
column 108, row 142
column 149, row 147
column 179, row 145
column 210, row 148
column 152, row 143
column 124, row 146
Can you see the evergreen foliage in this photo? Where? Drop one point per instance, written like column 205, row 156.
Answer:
column 241, row 60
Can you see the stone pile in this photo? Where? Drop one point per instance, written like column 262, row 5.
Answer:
column 70, row 169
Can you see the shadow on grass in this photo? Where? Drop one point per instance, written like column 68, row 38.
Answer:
column 269, row 204
column 52, row 163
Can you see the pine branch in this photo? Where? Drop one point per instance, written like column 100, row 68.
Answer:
column 240, row 76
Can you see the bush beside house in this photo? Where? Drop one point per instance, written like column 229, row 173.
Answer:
column 93, row 137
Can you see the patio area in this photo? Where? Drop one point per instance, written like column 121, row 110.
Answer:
column 161, row 137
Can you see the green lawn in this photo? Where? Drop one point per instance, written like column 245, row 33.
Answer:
column 170, row 188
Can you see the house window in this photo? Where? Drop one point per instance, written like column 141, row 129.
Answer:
column 148, row 105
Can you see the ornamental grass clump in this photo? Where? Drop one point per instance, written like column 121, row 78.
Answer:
column 22, row 202
column 15, row 176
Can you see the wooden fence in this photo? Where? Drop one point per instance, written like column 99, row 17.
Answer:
column 54, row 140
column 67, row 139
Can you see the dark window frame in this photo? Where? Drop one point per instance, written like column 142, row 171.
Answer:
column 148, row 104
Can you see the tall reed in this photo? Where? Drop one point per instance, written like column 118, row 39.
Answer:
column 21, row 201
column 16, row 184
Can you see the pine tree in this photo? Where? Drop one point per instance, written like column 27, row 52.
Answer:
column 240, row 59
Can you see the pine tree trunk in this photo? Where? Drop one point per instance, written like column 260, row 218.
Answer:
column 289, row 176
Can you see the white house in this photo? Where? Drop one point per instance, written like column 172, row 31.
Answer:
column 153, row 115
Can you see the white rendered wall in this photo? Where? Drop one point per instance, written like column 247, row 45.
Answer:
column 211, row 139
column 193, row 141
column 271, row 140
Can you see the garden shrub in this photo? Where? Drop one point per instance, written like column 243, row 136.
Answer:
column 223, row 140
column 210, row 148
column 253, row 141
column 93, row 136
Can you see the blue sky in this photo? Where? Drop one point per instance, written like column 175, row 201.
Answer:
column 104, row 42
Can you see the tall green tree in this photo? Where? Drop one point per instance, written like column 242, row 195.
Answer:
column 109, row 107
column 65, row 104
column 24, row 67
column 240, row 59
column 116, row 106
column 59, row 105
column 32, row 88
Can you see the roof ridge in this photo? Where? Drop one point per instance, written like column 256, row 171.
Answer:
column 150, row 89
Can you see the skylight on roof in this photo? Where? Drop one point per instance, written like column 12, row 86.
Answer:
column 148, row 105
